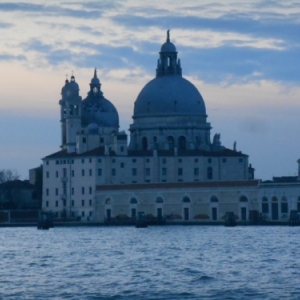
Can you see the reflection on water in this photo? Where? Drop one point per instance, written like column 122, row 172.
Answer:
column 168, row 262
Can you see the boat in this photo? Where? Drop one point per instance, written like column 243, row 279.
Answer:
column 45, row 221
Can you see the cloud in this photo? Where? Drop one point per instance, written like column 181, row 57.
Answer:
column 9, row 57
column 5, row 25
column 50, row 10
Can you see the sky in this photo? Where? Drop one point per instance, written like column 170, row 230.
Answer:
column 243, row 56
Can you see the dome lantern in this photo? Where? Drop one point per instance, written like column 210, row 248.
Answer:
column 168, row 63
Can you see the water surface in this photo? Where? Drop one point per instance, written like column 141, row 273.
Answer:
column 167, row 262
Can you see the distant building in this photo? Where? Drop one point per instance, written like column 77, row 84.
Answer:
column 18, row 195
column 170, row 167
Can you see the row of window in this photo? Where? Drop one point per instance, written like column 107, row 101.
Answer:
column 163, row 160
column 73, row 214
column 185, row 199
column 133, row 172
column 64, row 191
column 83, row 203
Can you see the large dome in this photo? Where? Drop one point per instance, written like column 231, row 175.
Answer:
column 169, row 95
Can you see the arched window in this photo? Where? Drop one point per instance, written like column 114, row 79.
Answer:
column 214, row 199
column 170, row 142
column 265, row 205
column 284, row 205
column 210, row 173
column 144, row 143
column 182, row 143
column 243, row 199
column 186, row 199
column 159, row 200
column 108, row 201
column 274, row 199
column 133, row 201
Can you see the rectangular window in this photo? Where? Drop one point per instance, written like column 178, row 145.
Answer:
column 122, row 165
column 90, row 172
column 164, row 161
column 133, row 171
column 164, row 171
column 196, row 171
column 84, row 140
column 64, row 172
column 209, row 160
column 65, row 202
column 56, row 192
column 91, row 213
column 180, row 160
column 147, row 160
column 56, row 203
column 90, row 160
column 82, row 190
column 72, row 202
column 82, row 213
column 57, row 162
column 224, row 160
column 56, row 174
column 122, row 148
column 73, row 173
column 113, row 160
column 241, row 160
column 90, row 190
column 82, row 202
column 265, row 208
column 180, row 172
column 99, row 172
column 101, row 140
column 72, row 191
column 147, row 171
column 284, row 207
column 196, row 160
column 133, row 160
column 47, row 203
column 99, row 160
column 47, row 174
column 47, row 192
column 82, row 160
column 82, row 172
column 113, row 172
column 90, row 202
column 47, row 162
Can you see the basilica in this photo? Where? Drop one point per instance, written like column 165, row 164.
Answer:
column 169, row 168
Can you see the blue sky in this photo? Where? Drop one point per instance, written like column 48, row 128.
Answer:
column 243, row 56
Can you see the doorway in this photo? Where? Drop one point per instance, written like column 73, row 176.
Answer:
column 186, row 212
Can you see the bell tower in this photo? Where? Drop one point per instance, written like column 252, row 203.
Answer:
column 70, row 114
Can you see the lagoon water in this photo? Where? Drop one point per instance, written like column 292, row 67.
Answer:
column 167, row 262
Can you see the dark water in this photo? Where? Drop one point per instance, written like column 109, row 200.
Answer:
column 171, row 262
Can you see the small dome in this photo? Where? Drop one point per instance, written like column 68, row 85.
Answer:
column 64, row 88
column 99, row 111
column 168, row 47
column 73, row 86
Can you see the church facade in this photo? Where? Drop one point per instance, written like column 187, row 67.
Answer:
column 168, row 168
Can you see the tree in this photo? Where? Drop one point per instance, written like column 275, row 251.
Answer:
column 8, row 175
